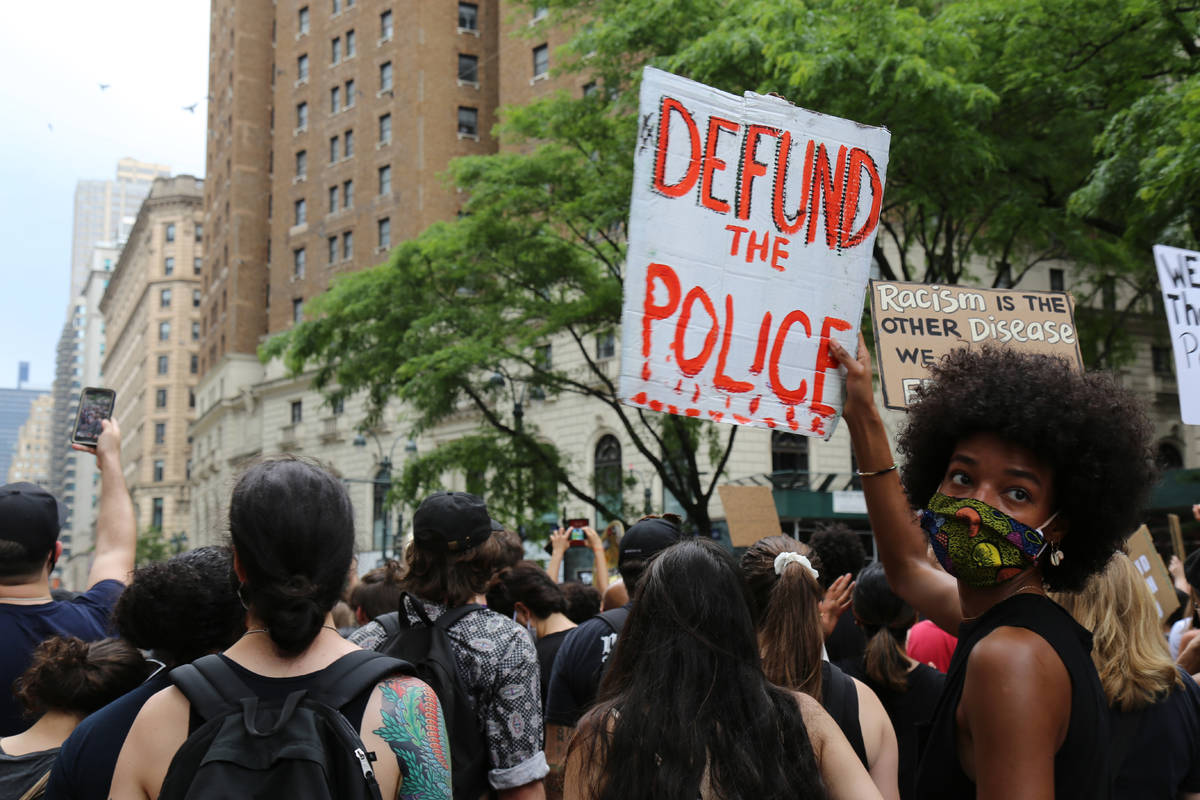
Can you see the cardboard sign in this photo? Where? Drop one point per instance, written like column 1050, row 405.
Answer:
column 1176, row 536
column 750, row 513
column 1150, row 566
column 917, row 323
column 750, row 235
column 1179, row 278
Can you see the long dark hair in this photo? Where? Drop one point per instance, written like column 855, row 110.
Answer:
column 885, row 619
column 786, row 612
column 685, row 694
column 292, row 527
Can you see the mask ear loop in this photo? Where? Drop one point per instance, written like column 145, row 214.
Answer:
column 1056, row 553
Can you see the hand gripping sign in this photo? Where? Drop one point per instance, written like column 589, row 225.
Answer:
column 750, row 238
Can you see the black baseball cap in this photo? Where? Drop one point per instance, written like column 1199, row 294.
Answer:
column 647, row 537
column 452, row 521
column 30, row 517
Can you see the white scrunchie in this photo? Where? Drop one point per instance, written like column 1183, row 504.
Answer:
column 785, row 558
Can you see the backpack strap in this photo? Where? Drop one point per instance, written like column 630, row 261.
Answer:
column 394, row 621
column 353, row 674
column 453, row 615
column 211, row 686
column 390, row 623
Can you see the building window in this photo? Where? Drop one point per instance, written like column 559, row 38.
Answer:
column 160, row 433
column 196, row 331
column 349, row 93
column 350, row 44
column 163, row 364
column 1004, row 276
column 333, row 149
column 1167, row 456
column 333, row 199
column 1108, row 294
column 192, row 397
column 385, row 180
column 468, row 68
column 541, row 61
column 468, row 121
column 384, row 227
column 606, row 472
column 1056, row 280
column 385, row 129
column 297, row 309
column 195, row 298
column 159, row 469
column 168, row 266
column 333, row 249
column 347, row 194
column 298, row 262
column 164, row 331
column 468, row 17
column 301, row 116
column 164, row 298
column 197, row 265
column 348, row 144
column 303, row 20
column 301, row 163
column 301, row 209
column 302, row 68
column 385, row 25
column 156, row 514
column 160, row 398
column 335, row 99
column 606, row 344
column 385, row 76
column 1160, row 358
column 348, row 245
column 789, row 459
column 170, row 231
column 336, row 55
column 297, row 411
column 194, row 367
column 199, row 231
column 337, row 6
column 540, row 12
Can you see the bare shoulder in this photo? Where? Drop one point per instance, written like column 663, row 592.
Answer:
column 998, row 691
column 1008, row 648
column 817, row 721
column 158, row 731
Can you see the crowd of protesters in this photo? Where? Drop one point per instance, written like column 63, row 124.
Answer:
column 1003, row 644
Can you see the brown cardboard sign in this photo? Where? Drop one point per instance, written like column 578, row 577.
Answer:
column 1176, row 536
column 1150, row 566
column 750, row 513
column 916, row 324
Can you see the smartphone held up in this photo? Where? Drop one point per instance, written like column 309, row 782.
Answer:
column 95, row 404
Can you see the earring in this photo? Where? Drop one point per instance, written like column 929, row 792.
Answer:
column 240, row 598
column 1056, row 555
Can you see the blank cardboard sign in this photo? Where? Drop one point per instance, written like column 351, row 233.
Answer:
column 751, row 227
column 750, row 513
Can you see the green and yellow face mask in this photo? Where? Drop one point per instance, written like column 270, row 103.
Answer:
column 978, row 544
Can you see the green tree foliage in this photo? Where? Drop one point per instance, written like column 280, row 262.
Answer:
column 1024, row 131
column 152, row 546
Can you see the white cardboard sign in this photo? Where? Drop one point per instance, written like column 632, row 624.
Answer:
column 1179, row 277
column 750, row 237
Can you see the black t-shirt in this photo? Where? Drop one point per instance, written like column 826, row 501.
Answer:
column 547, row 647
column 1081, row 768
column 1163, row 758
column 847, row 642
column 906, row 710
column 579, row 666
column 88, row 758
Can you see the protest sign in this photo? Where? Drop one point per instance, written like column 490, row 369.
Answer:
column 1150, row 566
column 1179, row 278
column 916, row 324
column 1176, row 536
column 749, row 512
column 750, row 235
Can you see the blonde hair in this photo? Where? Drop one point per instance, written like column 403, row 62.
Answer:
column 1128, row 647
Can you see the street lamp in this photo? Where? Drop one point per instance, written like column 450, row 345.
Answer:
column 382, row 483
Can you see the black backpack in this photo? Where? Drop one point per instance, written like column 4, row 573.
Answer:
column 299, row 747
column 426, row 646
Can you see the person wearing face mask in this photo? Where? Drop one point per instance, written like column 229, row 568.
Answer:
column 1027, row 475
column 527, row 594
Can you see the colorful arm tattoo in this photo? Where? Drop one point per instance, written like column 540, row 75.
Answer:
column 415, row 730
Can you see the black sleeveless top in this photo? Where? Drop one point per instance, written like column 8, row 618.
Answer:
column 1080, row 766
column 839, row 697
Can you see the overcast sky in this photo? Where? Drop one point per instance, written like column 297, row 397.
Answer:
column 60, row 127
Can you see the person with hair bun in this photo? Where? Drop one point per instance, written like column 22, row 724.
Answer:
column 1024, row 474
column 292, row 529
column 908, row 689
column 67, row 679
column 782, row 585
column 528, row 594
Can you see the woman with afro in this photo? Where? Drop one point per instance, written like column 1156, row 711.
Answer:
column 1023, row 474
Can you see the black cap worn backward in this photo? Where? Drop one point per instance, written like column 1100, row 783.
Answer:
column 451, row 521
column 30, row 517
column 647, row 537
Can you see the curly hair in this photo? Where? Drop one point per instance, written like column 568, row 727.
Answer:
column 71, row 675
column 182, row 608
column 1089, row 431
column 840, row 550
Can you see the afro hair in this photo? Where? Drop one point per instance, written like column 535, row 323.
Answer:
column 1092, row 434
column 839, row 550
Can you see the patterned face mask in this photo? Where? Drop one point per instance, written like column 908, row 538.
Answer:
column 977, row 544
